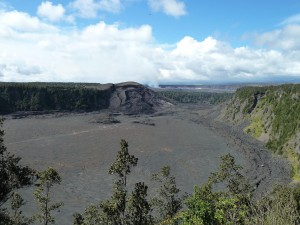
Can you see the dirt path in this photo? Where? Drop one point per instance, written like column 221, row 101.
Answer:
column 55, row 136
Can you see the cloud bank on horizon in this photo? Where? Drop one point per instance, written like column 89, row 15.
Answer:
column 41, row 47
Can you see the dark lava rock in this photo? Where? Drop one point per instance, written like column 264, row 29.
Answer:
column 148, row 122
column 134, row 98
column 104, row 119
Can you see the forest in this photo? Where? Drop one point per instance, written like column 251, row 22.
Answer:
column 52, row 96
column 181, row 96
column 273, row 115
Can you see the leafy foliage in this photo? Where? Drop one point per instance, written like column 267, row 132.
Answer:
column 78, row 219
column 280, row 207
column 17, row 217
column 235, row 204
column 12, row 175
column 167, row 203
column 138, row 207
column 207, row 206
column 47, row 179
column 121, row 208
column 116, row 208
column 124, row 163
column 230, row 174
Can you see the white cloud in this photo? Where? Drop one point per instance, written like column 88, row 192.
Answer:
column 113, row 6
column 170, row 7
column 51, row 12
column 90, row 8
column 86, row 8
column 286, row 38
column 97, row 53
column 32, row 50
column 14, row 23
column 295, row 19
column 212, row 60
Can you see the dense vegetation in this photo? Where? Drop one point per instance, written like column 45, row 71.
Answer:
column 12, row 177
column 52, row 96
column 195, row 97
column 274, row 115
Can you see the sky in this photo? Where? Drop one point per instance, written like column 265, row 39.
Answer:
column 150, row 41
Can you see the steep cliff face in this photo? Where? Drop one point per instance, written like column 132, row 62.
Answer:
column 134, row 98
column 271, row 114
column 130, row 97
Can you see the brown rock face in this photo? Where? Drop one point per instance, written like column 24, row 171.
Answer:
column 134, row 98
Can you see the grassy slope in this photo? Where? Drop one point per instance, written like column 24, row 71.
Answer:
column 274, row 116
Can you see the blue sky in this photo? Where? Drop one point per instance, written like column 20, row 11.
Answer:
column 150, row 41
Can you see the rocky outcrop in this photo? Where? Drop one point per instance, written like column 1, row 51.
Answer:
column 134, row 98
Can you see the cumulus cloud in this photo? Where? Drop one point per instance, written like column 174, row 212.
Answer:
column 213, row 60
column 286, row 38
column 90, row 8
column 19, row 25
column 96, row 53
column 170, row 7
column 51, row 12
column 33, row 50
column 86, row 8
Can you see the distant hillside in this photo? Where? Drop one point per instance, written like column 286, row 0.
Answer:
column 273, row 116
column 189, row 96
column 132, row 98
